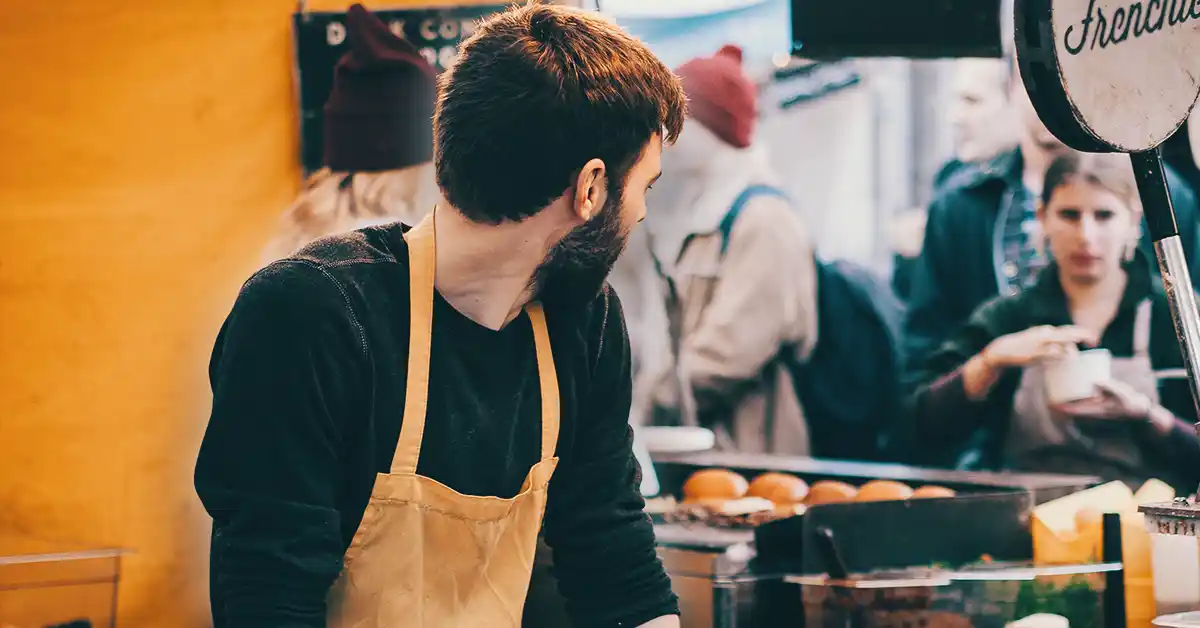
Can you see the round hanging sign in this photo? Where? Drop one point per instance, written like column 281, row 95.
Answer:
column 1110, row 75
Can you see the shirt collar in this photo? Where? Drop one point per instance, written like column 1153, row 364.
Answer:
column 1047, row 300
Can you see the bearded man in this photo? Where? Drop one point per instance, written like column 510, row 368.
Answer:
column 395, row 409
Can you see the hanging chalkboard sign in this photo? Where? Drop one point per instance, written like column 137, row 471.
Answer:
column 320, row 39
column 1110, row 75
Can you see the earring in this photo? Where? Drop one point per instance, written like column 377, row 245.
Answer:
column 1130, row 251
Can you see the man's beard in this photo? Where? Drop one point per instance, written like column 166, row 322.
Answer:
column 574, row 271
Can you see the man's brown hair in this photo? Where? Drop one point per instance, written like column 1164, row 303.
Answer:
column 537, row 92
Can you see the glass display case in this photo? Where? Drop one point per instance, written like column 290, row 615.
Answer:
column 49, row 584
column 982, row 596
column 721, row 584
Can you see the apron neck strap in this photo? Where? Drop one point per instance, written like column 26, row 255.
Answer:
column 422, row 258
column 548, row 379
column 1141, row 329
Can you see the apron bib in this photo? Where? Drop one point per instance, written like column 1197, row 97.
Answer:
column 1040, row 441
column 424, row 554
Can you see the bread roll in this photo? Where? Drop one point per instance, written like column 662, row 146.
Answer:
column 932, row 492
column 883, row 491
column 711, row 484
column 830, row 492
column 782, row 489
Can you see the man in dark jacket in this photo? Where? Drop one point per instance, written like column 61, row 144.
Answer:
column 981, row 237
column 985, row 126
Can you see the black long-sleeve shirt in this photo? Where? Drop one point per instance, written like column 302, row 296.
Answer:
column 308, row 379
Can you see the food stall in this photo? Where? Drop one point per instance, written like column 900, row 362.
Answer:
column 753, row 540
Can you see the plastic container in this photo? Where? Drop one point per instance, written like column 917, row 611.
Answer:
column 1176, row 562
column 1189, row 619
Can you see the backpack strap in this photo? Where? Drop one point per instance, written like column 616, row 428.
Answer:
column 726, row 226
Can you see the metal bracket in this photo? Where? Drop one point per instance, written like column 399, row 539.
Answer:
column 1179, row 518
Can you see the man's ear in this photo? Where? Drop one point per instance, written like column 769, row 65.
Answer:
column 590, row 190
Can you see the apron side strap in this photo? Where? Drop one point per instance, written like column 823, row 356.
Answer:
column 548, row 378
column 1141, row 329
column 1180, row 373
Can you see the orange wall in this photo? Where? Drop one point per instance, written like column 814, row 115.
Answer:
column 146, row 147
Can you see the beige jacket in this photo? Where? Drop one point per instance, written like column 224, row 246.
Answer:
column 737, row 315
column 733, row 315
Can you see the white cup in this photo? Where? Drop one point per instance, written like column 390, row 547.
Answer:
column 1076, row 376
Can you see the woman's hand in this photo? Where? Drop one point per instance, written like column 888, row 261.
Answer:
column 1046, row 342
column 1113, row 400
column 1118, row 400
column 1021, row 348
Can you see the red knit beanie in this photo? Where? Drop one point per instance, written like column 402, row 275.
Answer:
column 379, row 115
column 721, row 96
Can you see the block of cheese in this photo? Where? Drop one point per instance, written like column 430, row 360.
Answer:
column 1154, row 492
column 1058, row 516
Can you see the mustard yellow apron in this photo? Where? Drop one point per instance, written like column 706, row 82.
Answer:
column 424, row 554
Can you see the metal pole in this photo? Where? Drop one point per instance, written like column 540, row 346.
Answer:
column 1160, row 220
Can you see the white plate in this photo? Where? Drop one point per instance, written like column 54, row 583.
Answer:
column 1190, row 619
column 672, row 440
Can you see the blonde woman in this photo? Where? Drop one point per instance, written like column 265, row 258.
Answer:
column 334, row 202
column 1098, row 291
column 378, row 142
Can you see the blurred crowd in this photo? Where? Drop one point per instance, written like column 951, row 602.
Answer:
column 1028, row 252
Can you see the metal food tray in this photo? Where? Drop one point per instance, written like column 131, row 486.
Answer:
column 673, row 470
column 1178, row 518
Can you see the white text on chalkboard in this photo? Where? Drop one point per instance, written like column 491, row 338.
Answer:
column 433, row 30
column 430, row 30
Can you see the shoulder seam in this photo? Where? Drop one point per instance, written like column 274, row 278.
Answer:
column 362, row 335
column 361, row 260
